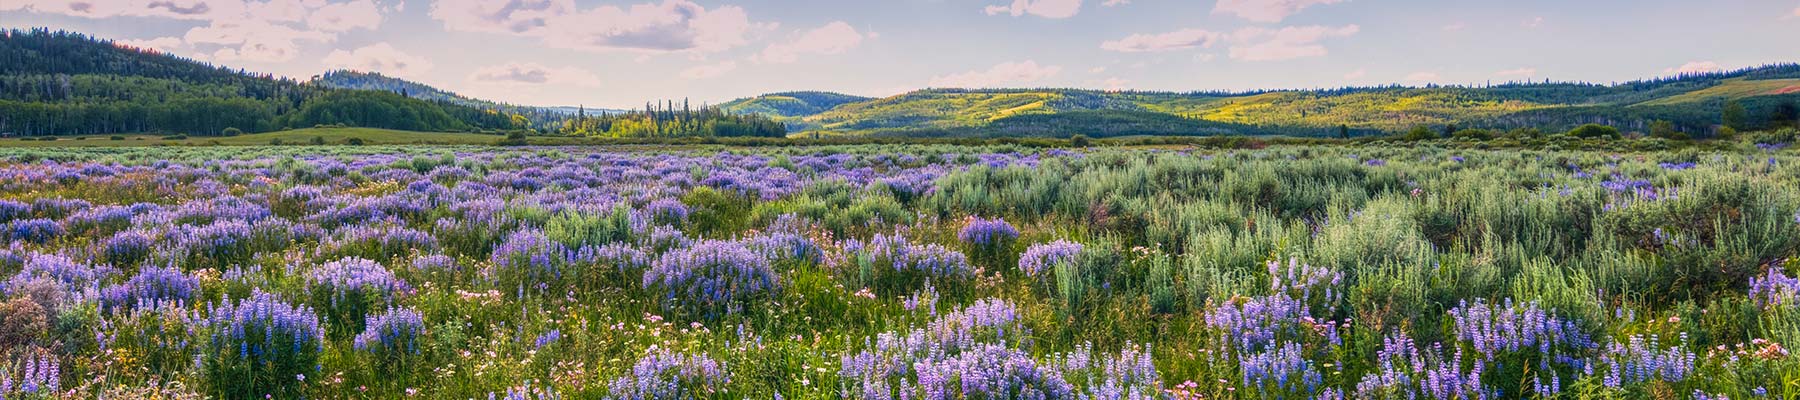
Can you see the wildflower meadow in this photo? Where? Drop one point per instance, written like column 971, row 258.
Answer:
column 898, row 272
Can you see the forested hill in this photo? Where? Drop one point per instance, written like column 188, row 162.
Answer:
column 1693, row 103
column 790, row 104
column 54, row 82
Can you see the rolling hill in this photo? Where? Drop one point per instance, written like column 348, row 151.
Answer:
column 1692, row 102
column 62, row 83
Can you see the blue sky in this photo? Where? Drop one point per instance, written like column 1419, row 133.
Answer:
column 623, row 53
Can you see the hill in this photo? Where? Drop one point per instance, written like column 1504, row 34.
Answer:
column 790, row 104
column 59, row 83
column 1692, row 102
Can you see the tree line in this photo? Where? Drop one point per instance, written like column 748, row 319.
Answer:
column 666, row 119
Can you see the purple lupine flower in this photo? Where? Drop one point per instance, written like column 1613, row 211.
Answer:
column 711, row 273
column 1043, row 256
column 667, row 210
column 1774, row 289
column 888, row 255
column 987, row 232
column 37, row 230
column 435, row 262
column 781, row 246
column 12, row 210
column 351, row 288
column 391, row 334
column 263, row 333
column 662, row 374
column 1642, row 359
column 548, row 338
column 151, row 288
column 127, row 248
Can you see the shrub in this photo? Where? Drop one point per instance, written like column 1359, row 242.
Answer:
column 1594, row 131
column 228, row 132
column 1080, row 141
column 116, row 137
column 178, row 136
column 1420, row 132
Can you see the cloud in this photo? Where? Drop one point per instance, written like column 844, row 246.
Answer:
column 234, row 30
column 833, row 38
column 515, row 73
column 1455, row 27
column 1177, row 40
column 1266, row 10
column 175, row 9
column 1262, row 44
column 505, row 16
column 1796, row 12
column 1534, row 22
column 1695, row 67
column 1110, row 3
column 380, row 57
column 1423, row 76
column 1519, row 72
column 160, row 45
column 278, row 11
column 1114, row 84
column 343, row 17
column 669, row 26
column 709, row 70
column 1004, row 74
column 1053, row 9
column 1359, row 73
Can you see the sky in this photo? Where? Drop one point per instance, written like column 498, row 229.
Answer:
column 622, row 53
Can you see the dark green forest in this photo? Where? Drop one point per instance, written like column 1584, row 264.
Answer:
column 61, row 83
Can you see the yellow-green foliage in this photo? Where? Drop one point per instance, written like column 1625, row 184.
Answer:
column 1731, row 89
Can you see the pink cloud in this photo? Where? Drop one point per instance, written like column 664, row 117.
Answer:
column 1053, row 9
column 833, row 38
column 709, row 71
column 1262, row 44
column 1177, row 40
column 342, row 17
column 1004, row 74
column 669, row 26
column 1266, row 10
column 515, row 73
column 1518, row 72
column 1695, row 67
